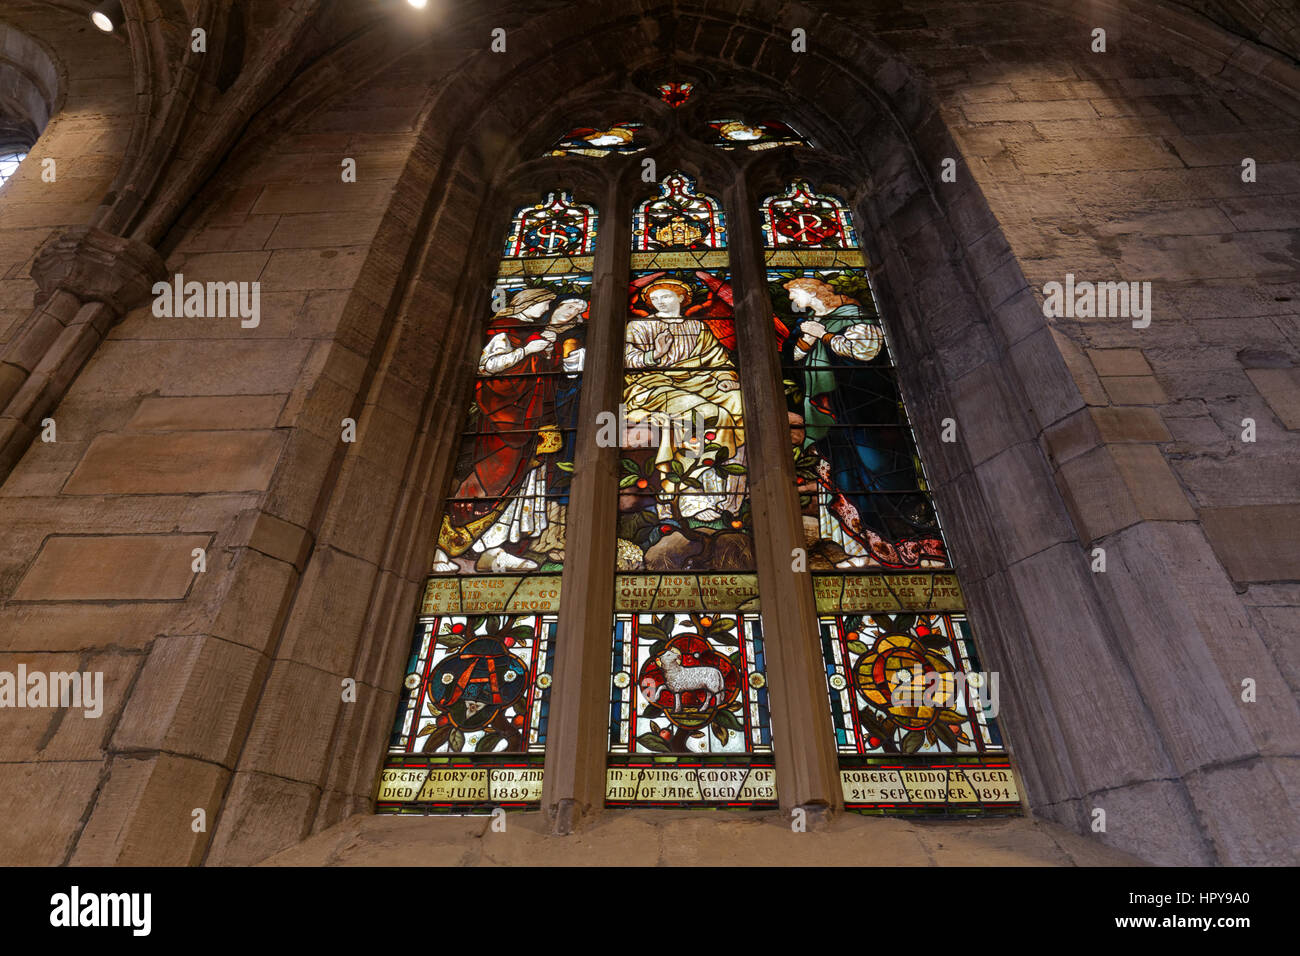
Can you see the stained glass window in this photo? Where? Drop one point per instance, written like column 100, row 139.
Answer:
column 9, row 165
column 471, row 727
column 675, row 93
column 689, row 720
column 737, row 134
column 912, row 714
column 589, row 141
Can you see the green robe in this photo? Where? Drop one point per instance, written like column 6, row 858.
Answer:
column 819, row 377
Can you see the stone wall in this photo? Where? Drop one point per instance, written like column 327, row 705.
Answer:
column 1129, row 166
column 223, row 687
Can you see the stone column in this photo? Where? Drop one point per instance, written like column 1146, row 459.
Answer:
column 87, row 280
column 807, row 772
column 577, row 739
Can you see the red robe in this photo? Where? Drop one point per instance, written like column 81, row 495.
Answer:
column 512, row 406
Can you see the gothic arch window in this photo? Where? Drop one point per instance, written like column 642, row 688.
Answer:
column 691, row 706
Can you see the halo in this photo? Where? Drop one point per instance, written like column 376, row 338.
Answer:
column 677, row 285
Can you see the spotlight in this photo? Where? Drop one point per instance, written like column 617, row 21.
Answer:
column 108, row 15
column 418, row 4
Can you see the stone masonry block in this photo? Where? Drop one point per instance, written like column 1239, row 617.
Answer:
column 1109, row 362
column 143, row 813
column 172, row 709
column 1129, row 424
column 129, row 567
column 1095, row 494
column 1256, row 543
column 50, row 799
column 1135, row 390
column 207, row 412
column 1281, row 389
column 1155, row 491
column 177, row 463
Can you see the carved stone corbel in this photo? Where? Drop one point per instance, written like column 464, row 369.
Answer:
column 97, row 266
column 87, row 279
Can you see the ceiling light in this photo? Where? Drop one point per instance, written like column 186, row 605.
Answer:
column 108, row 15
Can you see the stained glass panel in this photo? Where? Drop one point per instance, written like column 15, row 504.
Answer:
column 689, row 712
column 683, row 501
column 905, row 685
column 675, row 93
column 678, row 219
column 506, row 508
column 471, row 728
column 618, row 138
column 737, row 134
column 556, row 227
column 860, row 480
column 699, row 731
column 803, row 219
column 913, row 716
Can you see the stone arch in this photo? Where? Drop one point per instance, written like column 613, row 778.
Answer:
column 32, row 88
column 966, row 323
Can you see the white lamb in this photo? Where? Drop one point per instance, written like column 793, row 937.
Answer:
column 679, row 679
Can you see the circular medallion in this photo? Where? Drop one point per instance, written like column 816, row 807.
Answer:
column 689, row 681
column 806, row 227
column 477, row 681
column 896, row 675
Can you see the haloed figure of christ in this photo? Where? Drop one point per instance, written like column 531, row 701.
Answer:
column 506, row 512
column 679, row 356
column 851, row 427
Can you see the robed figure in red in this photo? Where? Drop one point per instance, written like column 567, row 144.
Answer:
column 500, row 510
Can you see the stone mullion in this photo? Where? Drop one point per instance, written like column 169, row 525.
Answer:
column 578, row 731
column 807, row 773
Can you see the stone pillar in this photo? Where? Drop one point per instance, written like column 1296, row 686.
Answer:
column 807, row 771
column 577, row 739
column 87, row 280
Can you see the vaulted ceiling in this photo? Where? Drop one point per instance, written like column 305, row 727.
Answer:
column 192, row 107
